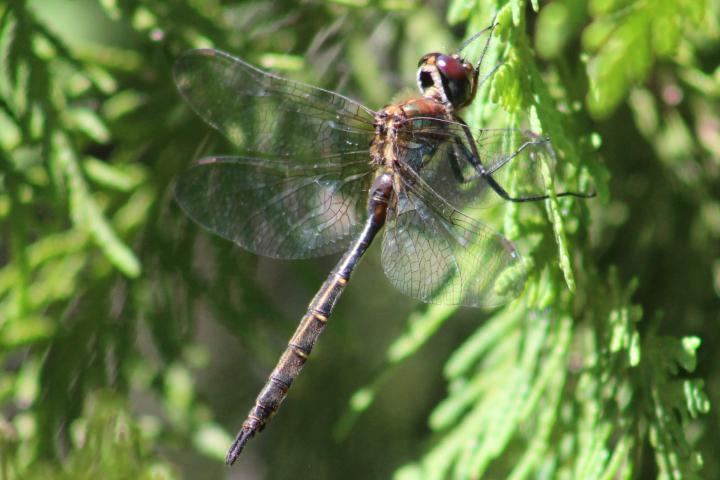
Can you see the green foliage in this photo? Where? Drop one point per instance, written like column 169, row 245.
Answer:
column 532, row 392
column 128, row 337
column 105, row 442
column 625, row 40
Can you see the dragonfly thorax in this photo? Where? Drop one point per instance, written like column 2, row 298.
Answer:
column 402, row 125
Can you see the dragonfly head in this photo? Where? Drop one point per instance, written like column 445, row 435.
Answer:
column 447, row 78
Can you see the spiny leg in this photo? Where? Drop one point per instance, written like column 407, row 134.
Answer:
column 489, row 74
column 475, row 83
column 475, row 37
column 473, row 157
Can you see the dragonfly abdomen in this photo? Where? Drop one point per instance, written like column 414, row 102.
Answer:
column 313, row 322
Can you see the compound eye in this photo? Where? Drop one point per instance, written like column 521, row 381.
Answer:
column 452, row 68
column 456, row 78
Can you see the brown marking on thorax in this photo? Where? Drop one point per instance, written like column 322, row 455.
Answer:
column 389, row 120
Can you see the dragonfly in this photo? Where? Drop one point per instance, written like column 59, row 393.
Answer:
column 321, row 174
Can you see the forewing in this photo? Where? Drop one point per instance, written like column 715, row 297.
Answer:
column 278, row 209
column 435, row 253
column 265, row 114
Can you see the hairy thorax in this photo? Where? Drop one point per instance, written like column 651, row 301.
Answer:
column 399, row 125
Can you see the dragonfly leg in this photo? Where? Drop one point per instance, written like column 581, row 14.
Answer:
column 517, row 152
column 486, row 173
column 491, row 28
column 459, row 147
column 474, row 159
column 489, row 74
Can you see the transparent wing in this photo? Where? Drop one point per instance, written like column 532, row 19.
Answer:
column 278, row 209
column 446, row 155
column 433, row 252
column 265, row 114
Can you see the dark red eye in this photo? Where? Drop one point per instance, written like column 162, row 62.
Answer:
column 456, row 79
column 451, row 67
column 455, row 82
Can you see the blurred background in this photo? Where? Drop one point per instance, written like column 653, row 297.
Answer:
column 133, row 343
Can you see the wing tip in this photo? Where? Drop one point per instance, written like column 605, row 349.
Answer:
column 206, row 161
column 204, row 52
column 179, row 67
column 509, row 247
